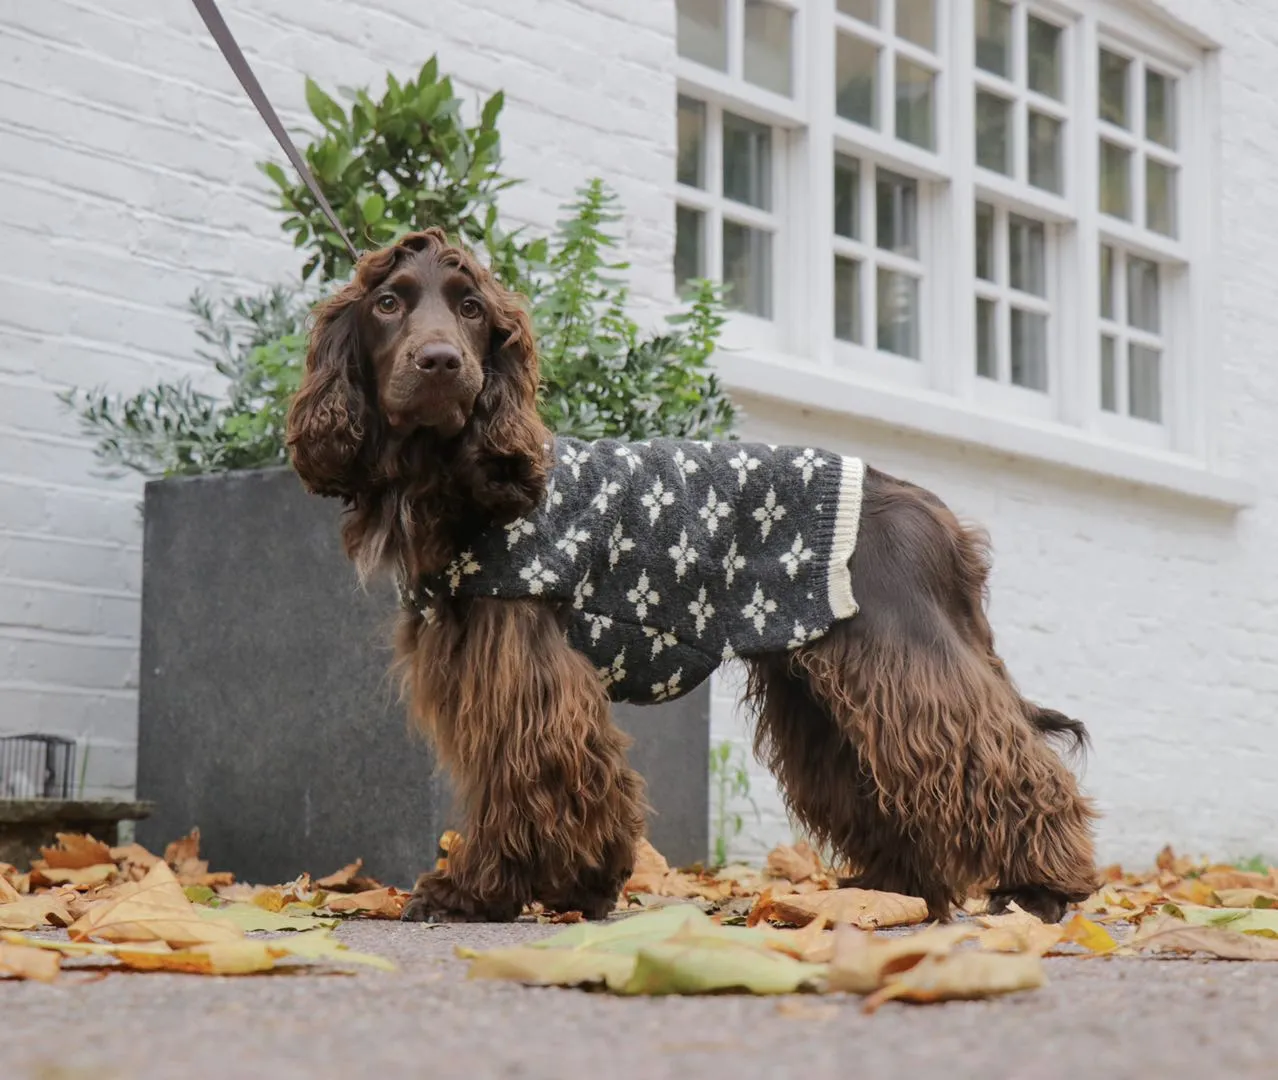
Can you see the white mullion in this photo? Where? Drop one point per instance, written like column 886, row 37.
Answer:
column 1029, row 302
column 917, row 54
column 1140, row 212
column 1147, row 338
column 1047, row 106
column 693, row 198
column 1119, row 136
column 1081, row 382
column 900, row 264
column 751, row 216
column 851, row 249
column 952, row 260
column 1003, row 315
column 812, row 217
column 848, row 25
column 735, row 19
column 995, row 84
column 714, row 187
column 869, row 269
column 1120, row 317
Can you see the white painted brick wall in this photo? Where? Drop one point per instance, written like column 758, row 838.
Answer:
column 127, row 180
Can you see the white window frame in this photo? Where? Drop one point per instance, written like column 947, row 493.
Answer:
column 795, row 356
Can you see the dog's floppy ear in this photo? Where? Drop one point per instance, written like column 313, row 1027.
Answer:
column 329, row 419
column 510, row 439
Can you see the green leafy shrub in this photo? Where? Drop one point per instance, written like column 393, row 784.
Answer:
column 392, row 166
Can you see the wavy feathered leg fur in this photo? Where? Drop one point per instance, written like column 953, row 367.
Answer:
column 521, row 722
column 901, row 741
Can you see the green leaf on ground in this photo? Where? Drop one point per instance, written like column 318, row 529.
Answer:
column 1262, row 922
column 252, row 917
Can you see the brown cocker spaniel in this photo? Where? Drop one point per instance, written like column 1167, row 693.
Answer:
column 893, row 727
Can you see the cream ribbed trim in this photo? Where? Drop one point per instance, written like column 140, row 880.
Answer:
column 843, row 543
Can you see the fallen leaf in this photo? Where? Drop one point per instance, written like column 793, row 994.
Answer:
column 135, row 855
column 863, row 960
column 1263, row 922
column 322, row 945
column 1167, row 933
column 154, row 909
column 200, row 894
column 864, row 908
column 697, row 962
column 24, row 962
column 814, row 943
column 550, row 967
column 75, row 851
column 961, row 976
column 31, row 912
column 566, row 917
column 1081, row 930
column 86, row 876
column 1247, row 898
column 343, row 877
column 1226, row 877
column 1195, row 890
column 183, row 850
column 385, row 903
column 795, row 863
column 8, row 894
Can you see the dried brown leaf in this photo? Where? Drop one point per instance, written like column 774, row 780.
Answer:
column 183, row 850
column 154, row 909
column 862, row 960
column 385, row 903
column 1257, row 898
column 794, row 863
column 961, row 976
column 24, row 962
column 82, row 877
column 8, row 894
column 31, row 912
column 813, row 943
column 134, row 855
column 341, row 879
column 1168, row 934
column 1227, row 877
column 865, row 908
column 75, row 851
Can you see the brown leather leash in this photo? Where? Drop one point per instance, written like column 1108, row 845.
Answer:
column 235, row 57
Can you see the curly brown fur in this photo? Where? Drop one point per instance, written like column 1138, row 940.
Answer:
column 899, row 738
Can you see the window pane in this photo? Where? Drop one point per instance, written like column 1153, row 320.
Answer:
column 766, row 61
column 1143, row 307
column 703, row 32
column 865, row 10
column 994, row 37
column 1115, row 180
column 1109, row 376
column 847, row 196
column 847, row 299
column 856, row 80
column 1045, row 169
column 986, row 338
column 1044, row 48
column 1144, row 383
column 916, row 22
column 985, row 241
column 1160, row 197
column 914, row 103
column 747, row 161
column 1027, row 254
column 897, row 213
column 1160, row 109
column 747, row 269
column 692, row 142
column 1029, row 349
column 690, row 245
column 1113, row 88
column 898, row 296
column 1107, row 307
column 993, row 132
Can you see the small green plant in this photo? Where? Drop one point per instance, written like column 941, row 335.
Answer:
column 1254, row 864
column 729, row 785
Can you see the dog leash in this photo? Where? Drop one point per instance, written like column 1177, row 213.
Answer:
column 235, row 57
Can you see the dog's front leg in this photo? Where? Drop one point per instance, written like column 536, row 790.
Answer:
column 520, row 719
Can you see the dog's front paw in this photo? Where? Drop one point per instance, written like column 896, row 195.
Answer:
column 437, row 899
column 1039, row 900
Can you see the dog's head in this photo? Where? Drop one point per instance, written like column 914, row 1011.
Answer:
column 423, row 360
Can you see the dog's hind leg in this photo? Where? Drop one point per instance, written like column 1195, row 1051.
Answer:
column 826, row 785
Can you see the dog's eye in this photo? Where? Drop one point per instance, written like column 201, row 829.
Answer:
column 471, row 308
column 388, row 304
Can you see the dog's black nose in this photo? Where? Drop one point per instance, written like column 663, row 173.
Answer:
column 439, row 356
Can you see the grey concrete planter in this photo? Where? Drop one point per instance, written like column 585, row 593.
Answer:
column 27, row 825
column 267, row 717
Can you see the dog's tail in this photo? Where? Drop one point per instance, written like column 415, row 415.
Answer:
column 1050, row 723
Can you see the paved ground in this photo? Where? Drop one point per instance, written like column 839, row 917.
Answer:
column 1116, row 1019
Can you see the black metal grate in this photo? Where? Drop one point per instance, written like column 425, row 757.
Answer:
column 36, row 766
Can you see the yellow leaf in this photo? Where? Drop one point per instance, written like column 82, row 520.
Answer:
column 24, row 962
column 1081, row 930
column 699, row 963
column 1018, row 931
column 250, row 918
column 961, row 976
column 550, row 967
column 865, row 908
column 154, row 909
column 223, row 958
column 30, row 912
column 863, row 960
column 1247, row 898
column 269, row 900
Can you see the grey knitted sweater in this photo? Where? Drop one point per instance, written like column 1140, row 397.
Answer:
column 672, row 556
